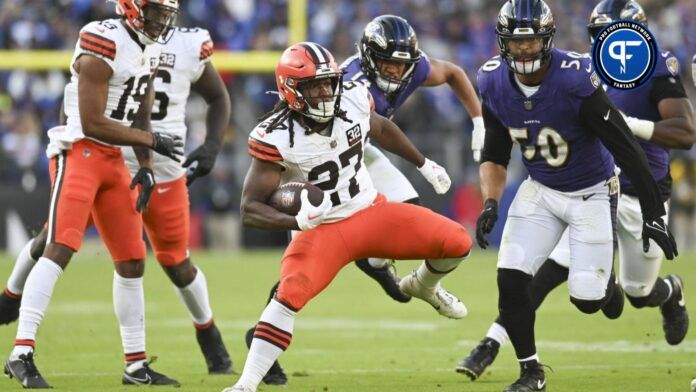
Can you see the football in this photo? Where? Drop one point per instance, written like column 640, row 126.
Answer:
column 286, row 198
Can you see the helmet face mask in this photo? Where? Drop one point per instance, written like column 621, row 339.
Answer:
column 609, row 11
column 387, row 40
column 524, row 25
column 151, row 20
column 309, row 79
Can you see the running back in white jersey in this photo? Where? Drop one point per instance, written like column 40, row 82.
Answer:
column 182, row 61
column 110, row 41
column 333, row 163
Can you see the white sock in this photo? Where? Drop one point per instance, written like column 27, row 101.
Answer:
column 272, row 336
column 498, row 333
column 534, row 357
column 21, row 269
column 377, row 263
column 431, row 272
column 129, row 306
column 37, row 294
column 195, row 298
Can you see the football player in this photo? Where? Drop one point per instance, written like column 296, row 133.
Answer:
column 390, row 62
column 551, row 104
column 110, row 68
column 184, row 65
column 660, row 117
column 316, row 133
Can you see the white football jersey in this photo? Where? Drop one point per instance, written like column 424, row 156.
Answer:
column 182, row 61
column 334, row 163
column 110, row 41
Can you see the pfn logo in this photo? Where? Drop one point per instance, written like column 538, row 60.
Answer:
column 621, row 54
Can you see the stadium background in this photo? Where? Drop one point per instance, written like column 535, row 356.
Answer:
column 248, row 36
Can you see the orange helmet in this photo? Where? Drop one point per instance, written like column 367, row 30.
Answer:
column 152, row 20
column 304, row 62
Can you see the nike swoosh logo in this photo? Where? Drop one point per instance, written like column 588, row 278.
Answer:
column 146, row 380
column 606, row 118
column 665, row 54
column 313, row 217
column 163, row 190
column 261, row 134
column 584, row 198
column 540, row 384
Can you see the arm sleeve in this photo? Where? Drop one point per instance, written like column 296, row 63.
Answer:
column 497, row 144
column 629, row 156
column 666, row 87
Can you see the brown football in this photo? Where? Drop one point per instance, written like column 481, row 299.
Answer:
column 286, row 198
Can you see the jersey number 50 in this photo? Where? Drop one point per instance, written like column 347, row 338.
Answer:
column 550, row 145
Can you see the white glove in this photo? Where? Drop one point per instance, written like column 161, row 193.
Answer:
column 436, row 176
column 310, row 216
column 477, row 137
column 641, row 128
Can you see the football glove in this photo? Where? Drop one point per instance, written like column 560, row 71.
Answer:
column 486, row 222
column 310, row 216
column 170, row 146
column 146, row 179
column 477, row 137
column 204, row 158
column 436, row 175
column 657, row 230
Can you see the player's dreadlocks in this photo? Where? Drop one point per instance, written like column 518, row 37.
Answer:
column 287, row 113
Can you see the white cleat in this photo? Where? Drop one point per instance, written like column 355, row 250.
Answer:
column 442, row 300
column 239, row 388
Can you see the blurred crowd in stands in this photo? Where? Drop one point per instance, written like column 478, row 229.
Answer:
column 461, row 31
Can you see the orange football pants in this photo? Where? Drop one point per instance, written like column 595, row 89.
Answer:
column 167, row 222
column 386, row 230
column 92, row 178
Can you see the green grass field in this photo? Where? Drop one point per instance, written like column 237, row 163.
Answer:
column 352, row 337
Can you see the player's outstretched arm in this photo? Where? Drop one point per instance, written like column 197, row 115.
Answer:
column 93, row 90
column 676, row 127
column 261, row 181
column 211, row 87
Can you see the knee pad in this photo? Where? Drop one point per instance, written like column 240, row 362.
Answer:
column 587, row 306
column 636, row 290
column 587, row 286
column 294, row 291
column 457, row 244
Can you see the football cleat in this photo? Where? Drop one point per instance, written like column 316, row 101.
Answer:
column 24, row 370
column 479, row 359
column 675, row 318
column 9, row 308
column 239, row 388
column 144, row 375
column 386, row 277
column 532, row 378
column 443, row 301
column 216, row 356
column 614, row 307
column 276, row 375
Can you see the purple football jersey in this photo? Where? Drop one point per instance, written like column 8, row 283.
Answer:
column 638, row 103
column 558, row 151
column 385, row 105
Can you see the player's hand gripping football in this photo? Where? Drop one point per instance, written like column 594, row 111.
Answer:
column 170, row 146
column 146, row 179
column 657, row 230
column 477, row 137
column 486, row 222
column 436, row 175
column 204, row 159
column 310, row 216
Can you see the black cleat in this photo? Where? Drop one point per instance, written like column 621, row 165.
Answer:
column 146, row 376
column 532, row 378
column 387, row 278
column 276, row 375
column 675, row 319
column 614, row 307
column 9, row 308
column 216, row 356
column 479, row 358
column 25, row 371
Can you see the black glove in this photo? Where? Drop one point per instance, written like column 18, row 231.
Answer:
column 486, row 221
column 204, row 156
column 146, row 179
column 168, row 145
column 657, row 230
